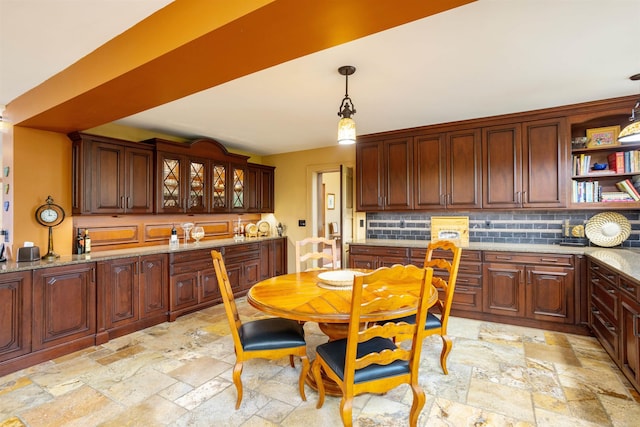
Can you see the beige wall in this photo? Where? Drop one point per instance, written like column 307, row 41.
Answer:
column 293, row 183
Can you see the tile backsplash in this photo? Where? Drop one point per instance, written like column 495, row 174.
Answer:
column 543, row 227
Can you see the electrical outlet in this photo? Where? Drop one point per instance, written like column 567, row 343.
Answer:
column 362, row 223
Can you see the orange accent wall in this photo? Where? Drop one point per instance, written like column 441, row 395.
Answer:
column 42, row 167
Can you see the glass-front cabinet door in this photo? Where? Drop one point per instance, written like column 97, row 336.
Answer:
column 197, row 197
column 170, row 197
column 220, row 202
column 238, row 190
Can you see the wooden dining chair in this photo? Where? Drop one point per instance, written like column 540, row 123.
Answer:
column 368, row 360
column 271, row 338
column 446, row 273
column 316, row 249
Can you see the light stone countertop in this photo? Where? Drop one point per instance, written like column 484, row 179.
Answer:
column 625, row 261
column 12, row 265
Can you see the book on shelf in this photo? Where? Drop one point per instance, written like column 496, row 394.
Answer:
column 627, row 186
column 586, row 191
column 616, row 161
column 616, row 196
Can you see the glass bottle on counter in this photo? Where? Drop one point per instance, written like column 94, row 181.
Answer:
column 79, row 243
column 87, row 242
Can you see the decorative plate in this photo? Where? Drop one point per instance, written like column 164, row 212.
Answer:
column 338, row 279
column 251, row 230
column 263, row 228
column 607, row 229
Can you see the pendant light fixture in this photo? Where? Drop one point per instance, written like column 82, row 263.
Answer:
column 631, row 133
column 346, row 125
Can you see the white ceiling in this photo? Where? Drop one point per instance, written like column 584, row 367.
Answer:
column 487, row 58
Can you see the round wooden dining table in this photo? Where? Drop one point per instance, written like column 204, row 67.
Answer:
column 303, row 297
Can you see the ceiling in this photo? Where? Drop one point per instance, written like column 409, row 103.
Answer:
column 486, row 58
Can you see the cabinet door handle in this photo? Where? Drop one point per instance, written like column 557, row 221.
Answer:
column 128, row 202
column 135, row 268
column 635, row 325
column 121, row 202
column 524, row 197
column 528, row 277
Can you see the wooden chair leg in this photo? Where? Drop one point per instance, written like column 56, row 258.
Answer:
column 417, row 405
column 291, row 361
column 237, row 371
column 303, row 375
column 317, row 377
column 446, row 348
column 346, row 410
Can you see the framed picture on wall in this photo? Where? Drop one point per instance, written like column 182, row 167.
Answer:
column 331, row 201
column 602, row 137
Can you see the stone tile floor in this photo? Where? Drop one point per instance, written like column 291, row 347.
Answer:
column 179, row 374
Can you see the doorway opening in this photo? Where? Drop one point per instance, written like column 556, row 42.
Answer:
column 333, row 207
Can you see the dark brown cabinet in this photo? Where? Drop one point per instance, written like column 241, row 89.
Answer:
column 192, row 282
column 372, row 257
column 259, row 194
column 533, row 286
column 614, row 317
column 604, row 306
column 238, row 188
column 523, row 165
column 384, row 175
column 132, row 294
column 64, row 307
column 273, row 258
column 243, row 266
column 111, row 176
column 15, row 315
column 468, row 291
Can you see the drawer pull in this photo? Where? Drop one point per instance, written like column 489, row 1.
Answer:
column 463, row 289
column 595, row 310
column 609, row 326
column 462, row 280
column 503, row 257
column 611, row 291
column 549, row 259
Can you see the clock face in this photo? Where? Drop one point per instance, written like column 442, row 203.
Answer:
column 48, row 215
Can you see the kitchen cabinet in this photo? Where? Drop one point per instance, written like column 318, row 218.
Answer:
column 604, row 306
column 614, row 300
column 384, row 171
column 273, row 258
column 193, row 284
column 448, row 170
column 372, row 257
column 259, row 192
column 468, row 291
column 15, row 315
column 533, row 286
column 64, row 307
column 111, row 176
column 132, row 294
column 243, row 266
column 184, row 184
column 238, row 188
column 523, row 165
column 199, row 176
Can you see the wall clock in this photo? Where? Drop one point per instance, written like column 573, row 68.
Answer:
column 50, row 215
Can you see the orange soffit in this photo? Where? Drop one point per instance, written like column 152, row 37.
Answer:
column 160, row 59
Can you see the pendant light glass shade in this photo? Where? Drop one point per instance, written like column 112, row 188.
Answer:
column 631, row 133
column 346, row 131
column 346, row 125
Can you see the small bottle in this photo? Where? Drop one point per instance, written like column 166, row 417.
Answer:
column 174, row 243
column 79, row 243
column 87, row 242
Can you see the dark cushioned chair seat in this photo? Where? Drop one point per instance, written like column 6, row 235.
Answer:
column 273, row 333
column 334, row 352
column 432, row 321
